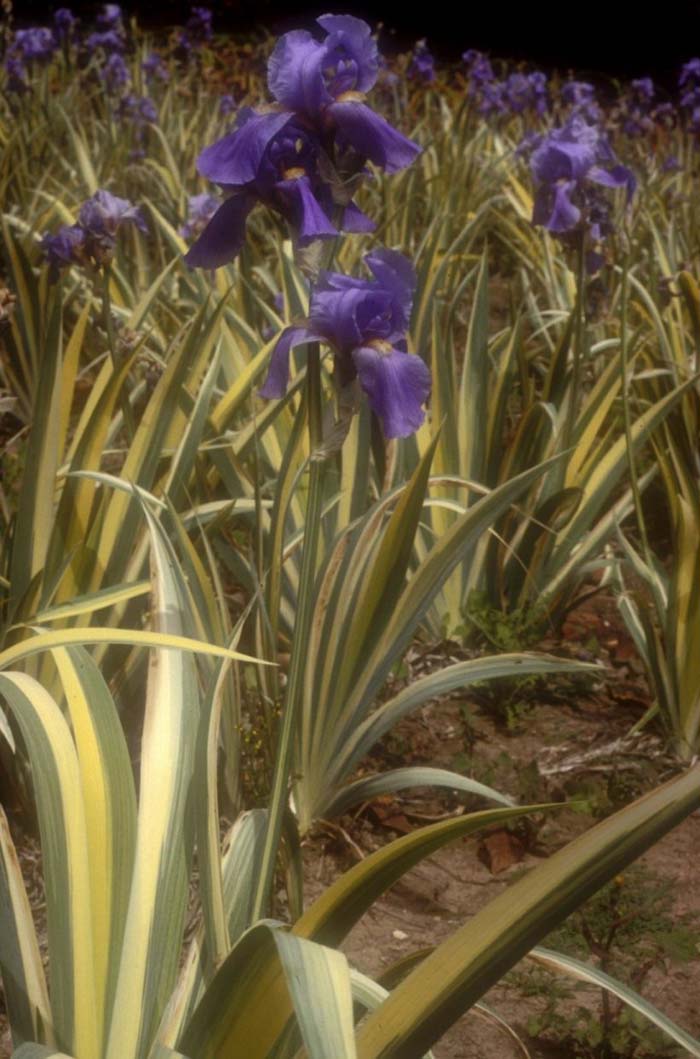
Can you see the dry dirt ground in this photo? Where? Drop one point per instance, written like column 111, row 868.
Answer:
column 563, row 742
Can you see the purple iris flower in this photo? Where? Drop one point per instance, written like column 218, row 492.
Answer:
column 200, row 210
column 635, row 107
column 154, row 67
column 690, row 72
column 64, row 22
column 34, row 44
column 326, row 83
column 227, row 105
column 94, row 237
column 104, row 213
column 198, row 26
column 139, row 109
column 422, row 65
column 526, row 92
column 689, row 83
column 364, row 321
column 16, row 73
column 478, row 66
column 643, row 89
column 110, row 17
column 110, row 41
column 569, row 166
column 66, row 247
column 578, row 93
column 115, row 73
column 491, row 98
column 274, row 159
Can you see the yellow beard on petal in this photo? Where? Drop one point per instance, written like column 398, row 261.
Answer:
column 351, row 97
column 381, row 345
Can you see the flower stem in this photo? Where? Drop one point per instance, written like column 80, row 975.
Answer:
column 579, row 334
column 107, row 323
column 302, row 624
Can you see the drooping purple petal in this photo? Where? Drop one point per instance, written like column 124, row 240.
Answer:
column 304, row 210
column 617, row 177
column 64, row 248
column 372, row 136
column 564, row 214
column 275, row 384
column 235, row 159
column 224, row 235
column 354, row 220
column 396, row 384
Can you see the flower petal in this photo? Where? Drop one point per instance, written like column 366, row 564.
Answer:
column 235, row 159
column 373, row 137
column 396, row 385
column 304, row 211
column 617, row 177
column 223, row 237
column 397, row 275
column 354, row 220
column 295, row 72
column 275, row 384
column 565, row 215
column 352, row 38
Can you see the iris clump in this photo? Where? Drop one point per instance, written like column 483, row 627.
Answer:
column 364, row 322
column 197, row 32
column 200, row 210
column 64, row 22
column 36, row 44
column 637, row 117
column 515, row 94
column 571, row 168
column 302, row 158
column 110, row 34
column 422, row 66
column 689, row 84
column 93, row 239
column 154, row 67
column 273, row 159
column 115, row 73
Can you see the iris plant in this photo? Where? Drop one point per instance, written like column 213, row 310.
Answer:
column 422, row 65
column 570, row 167
column 93, row 238
column 364, row 322
column 274, row 159
column 294, row 157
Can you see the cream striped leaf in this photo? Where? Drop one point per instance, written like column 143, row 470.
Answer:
column 24, row 984
column 56, row 774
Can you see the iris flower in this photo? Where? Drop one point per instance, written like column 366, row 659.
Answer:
column 301, row 156
column 270, row 158
column 327, row 81
column 569, row 167
column 34, row 44
column 364, row 321
column 94, row 237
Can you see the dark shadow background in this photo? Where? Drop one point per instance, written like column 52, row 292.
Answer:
column 614, row 39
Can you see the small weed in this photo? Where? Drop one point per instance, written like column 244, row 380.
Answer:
column 509, row 700
column 626, row 930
